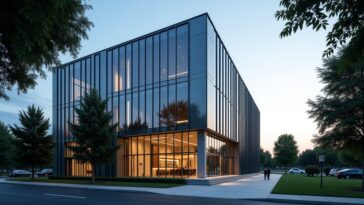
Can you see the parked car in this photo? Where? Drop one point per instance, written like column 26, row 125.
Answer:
column 44, row 172
column 20, row 173
column 333, row 172
column 349, row 173
column 296, row 171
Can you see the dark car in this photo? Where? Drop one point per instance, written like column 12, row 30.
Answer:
column 20, row 173
column 44, row 173
column 349, row 173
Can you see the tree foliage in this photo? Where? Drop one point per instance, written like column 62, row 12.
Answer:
column 312, row 170
column 347, row 14
column 32, row 33
column 339, row 112
column 331, row 155
column 33, row 146
column 348, row 159
column 6, row 146
column 263, row 158
column 94, row 132
column 308, row 157
column 269, row 160
column 285, row 150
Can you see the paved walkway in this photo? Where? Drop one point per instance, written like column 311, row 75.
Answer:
column 254, row 187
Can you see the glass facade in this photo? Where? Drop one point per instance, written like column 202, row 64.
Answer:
column 159, row 155
column 219, row 156
column 159, row 87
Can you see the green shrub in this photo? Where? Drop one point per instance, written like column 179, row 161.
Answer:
column 124, row 179
column 326, row 170
column 312, row 170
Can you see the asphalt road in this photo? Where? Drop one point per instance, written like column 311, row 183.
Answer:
column 39, row 195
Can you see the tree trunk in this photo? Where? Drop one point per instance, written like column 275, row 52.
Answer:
column 32, row 173
column 93, row 173
column 285, row 169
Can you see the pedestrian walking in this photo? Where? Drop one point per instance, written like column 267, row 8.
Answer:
column 265, row 173
column 268, row 173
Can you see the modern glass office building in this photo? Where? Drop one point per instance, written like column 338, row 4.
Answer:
column 181, row 106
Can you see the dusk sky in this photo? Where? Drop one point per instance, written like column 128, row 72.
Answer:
column 280, row 73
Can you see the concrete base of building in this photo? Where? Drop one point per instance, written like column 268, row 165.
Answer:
column 218, row 179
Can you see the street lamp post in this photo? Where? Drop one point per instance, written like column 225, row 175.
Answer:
column 321, row 161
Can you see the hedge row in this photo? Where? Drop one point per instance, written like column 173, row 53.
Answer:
column 124, row 179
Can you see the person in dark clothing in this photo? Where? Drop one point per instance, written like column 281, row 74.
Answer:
column 268, row 173
column 265, row 173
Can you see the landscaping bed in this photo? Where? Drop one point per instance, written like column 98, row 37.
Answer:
column 305, row 185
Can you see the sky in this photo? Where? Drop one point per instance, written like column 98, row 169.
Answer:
column 280, row 73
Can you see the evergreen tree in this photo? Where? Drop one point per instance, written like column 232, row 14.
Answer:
column 94, row 132
column 6, row 146
column 285, row 150
column 33, row 146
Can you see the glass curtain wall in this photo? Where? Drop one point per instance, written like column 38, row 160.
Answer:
column 160, row 155
column 145, row 82
column 220, row 156
column 156, row 94
column 222, row 85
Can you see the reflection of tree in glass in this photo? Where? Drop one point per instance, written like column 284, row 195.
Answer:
column 211, row 150
column 174, row 113
column 224, row 149
column 136, row 125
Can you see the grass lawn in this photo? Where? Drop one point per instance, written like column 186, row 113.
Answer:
column 101, row 183
column 332, row 186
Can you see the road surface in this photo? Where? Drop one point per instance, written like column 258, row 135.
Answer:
column 39, row 195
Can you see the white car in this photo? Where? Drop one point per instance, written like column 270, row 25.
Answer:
column 333, row 172
column 20, row 173
column 296, row 171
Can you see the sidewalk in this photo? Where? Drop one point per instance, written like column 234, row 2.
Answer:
column 253, row 187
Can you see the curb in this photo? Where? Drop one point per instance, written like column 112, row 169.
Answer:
column 292, row 201
column 61, row 185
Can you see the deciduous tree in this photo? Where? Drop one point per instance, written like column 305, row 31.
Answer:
column 307, row 157
column 263, row 158
column 339, row 112
column 285, row 150
column 348, row 18
column 33, row 33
